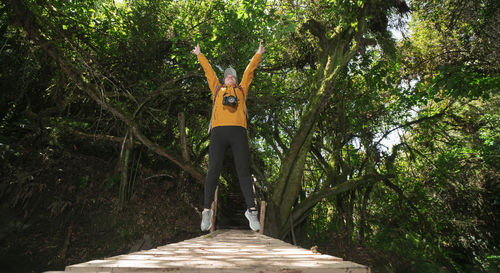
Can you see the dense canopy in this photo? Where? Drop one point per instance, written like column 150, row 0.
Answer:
column 374, row 126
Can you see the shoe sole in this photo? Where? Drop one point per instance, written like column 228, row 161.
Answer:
column 207, row 228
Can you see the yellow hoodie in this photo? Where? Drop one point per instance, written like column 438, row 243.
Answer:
column 224, row 115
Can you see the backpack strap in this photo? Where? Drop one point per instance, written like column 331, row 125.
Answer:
column 244, row 97
column 241, row 89
column 217, row 89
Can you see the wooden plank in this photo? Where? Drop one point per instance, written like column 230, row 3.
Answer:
column 217, row 266
column 223, row 251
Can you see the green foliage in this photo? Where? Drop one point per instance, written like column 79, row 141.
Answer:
column 455, row 186
column 451, row 49
column 437, row 206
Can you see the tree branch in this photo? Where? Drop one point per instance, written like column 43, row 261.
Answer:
column 161, row 89
column 401, row 195
column 301, row 211
column 182, row 130
column 417, row 121
column 26, row 19
column 94, row 136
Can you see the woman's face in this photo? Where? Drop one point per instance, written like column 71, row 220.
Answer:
column 230, row 80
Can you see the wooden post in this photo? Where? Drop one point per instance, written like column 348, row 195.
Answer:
column 262, row 216
column 214, row 209
column 291, row 230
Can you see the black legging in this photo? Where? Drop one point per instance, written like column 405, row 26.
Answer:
column 221, row 137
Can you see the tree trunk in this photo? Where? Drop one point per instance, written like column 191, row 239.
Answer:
column 124, row 168
column 336, row 54
column 362, row 221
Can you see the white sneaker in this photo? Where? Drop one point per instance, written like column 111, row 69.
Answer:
column 253, row 219
column 206, row 220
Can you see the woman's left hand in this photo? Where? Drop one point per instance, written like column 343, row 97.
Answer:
column 261, row 49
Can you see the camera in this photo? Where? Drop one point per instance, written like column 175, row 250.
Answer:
column 230, row 100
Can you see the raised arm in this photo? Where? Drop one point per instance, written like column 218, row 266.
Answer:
column 213, row 82
column 248, row 74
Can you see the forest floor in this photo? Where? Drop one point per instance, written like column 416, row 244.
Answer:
column 60, row 205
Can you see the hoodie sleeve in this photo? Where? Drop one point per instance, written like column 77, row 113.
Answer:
column 209, row 73
column 248, row 74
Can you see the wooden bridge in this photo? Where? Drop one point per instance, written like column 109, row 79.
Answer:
column 223, row 251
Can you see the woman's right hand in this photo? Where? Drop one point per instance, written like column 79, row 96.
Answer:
column 196, row 51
